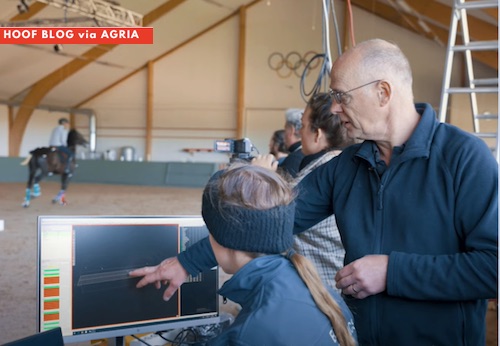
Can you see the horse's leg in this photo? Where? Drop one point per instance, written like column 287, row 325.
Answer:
column 29, row 184
column 27, row 194
column 37, row 190
column 41, row 172
column 61, row 197
column 27, row 198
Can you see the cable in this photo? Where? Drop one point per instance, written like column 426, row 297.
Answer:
column 182, row 337
column 351, row 23
column 194, row 335
column 335, row 23
column 326, row 35
column 325, row 57
column 326, row 66
column 144, row 342
column 317, row 85
column 254, row 148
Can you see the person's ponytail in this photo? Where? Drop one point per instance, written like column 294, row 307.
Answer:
column 323, row 299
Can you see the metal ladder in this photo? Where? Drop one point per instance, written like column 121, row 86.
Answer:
column 475, row 86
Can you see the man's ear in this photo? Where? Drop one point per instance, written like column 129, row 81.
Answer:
column 384, row 92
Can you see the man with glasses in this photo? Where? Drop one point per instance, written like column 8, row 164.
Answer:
column 416, row 204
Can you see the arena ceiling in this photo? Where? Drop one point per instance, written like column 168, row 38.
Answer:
column 34, row 75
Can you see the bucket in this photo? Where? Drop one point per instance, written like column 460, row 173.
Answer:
column 109, row 155
column 128, row 154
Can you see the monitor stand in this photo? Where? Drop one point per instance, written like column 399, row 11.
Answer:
column 116, row 341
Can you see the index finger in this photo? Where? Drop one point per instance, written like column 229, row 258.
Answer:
column 344, row 272
column 149, row 279
column 141, row 271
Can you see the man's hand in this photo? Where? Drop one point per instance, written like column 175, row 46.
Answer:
column 364, row 277
column 169, row 272
column 266, row 161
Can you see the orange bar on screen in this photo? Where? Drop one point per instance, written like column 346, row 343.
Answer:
column 51, row 280
column 50, row 317
column 51, row 292
column 51, row 305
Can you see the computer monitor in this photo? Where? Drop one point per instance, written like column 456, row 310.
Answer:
column 84, row 288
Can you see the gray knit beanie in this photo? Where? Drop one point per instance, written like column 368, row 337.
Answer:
column 267, row 231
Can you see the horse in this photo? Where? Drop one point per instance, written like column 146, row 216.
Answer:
column 48, row 161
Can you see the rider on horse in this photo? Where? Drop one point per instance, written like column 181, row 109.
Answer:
column 58, row 139
column 48, row 160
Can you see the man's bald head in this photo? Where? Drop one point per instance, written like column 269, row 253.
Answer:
column 375, row 59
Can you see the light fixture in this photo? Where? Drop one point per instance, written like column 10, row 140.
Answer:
column 58, row 48
column 102, row 11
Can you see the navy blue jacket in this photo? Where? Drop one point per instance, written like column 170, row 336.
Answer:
column 277, row 308
column 434, row 211
column 291, row 163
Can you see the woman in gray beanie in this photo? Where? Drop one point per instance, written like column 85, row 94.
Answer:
column 249, row 212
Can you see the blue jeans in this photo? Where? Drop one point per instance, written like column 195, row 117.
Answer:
column 69, row 153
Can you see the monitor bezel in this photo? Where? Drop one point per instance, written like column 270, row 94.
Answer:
column 135, row 328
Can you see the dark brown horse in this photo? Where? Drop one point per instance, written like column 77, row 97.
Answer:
column 48, row 161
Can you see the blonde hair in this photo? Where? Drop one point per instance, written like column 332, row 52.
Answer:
column 323, row 299
column 259, row 188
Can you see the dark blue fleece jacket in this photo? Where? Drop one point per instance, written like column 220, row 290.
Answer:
column 434, row 211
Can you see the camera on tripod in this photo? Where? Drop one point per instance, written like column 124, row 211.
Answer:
column 238, row 148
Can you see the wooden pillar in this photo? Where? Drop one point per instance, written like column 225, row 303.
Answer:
column 149, row 110
column 10, row 118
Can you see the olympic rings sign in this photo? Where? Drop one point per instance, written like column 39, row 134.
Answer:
column 293, row 62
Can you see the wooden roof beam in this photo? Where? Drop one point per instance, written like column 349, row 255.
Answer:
column 46, row 84
column 165, row 54
column 439, row 14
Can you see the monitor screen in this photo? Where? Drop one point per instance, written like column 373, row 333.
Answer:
column 84, row 288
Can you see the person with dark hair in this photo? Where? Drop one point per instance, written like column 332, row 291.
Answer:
column 277, row 146
column 59, row 140
column 323, row 138
column 249, row 213
column 291, row 164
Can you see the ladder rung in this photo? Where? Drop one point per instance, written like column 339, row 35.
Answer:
column 480, row 90
column 477, row 4
column 485, row 134
column 477, row 45
column 485, row 81
column 486, row 116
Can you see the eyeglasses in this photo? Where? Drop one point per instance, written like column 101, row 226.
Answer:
column 344, row 97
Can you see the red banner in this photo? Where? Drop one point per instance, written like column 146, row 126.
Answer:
column 76, row 35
